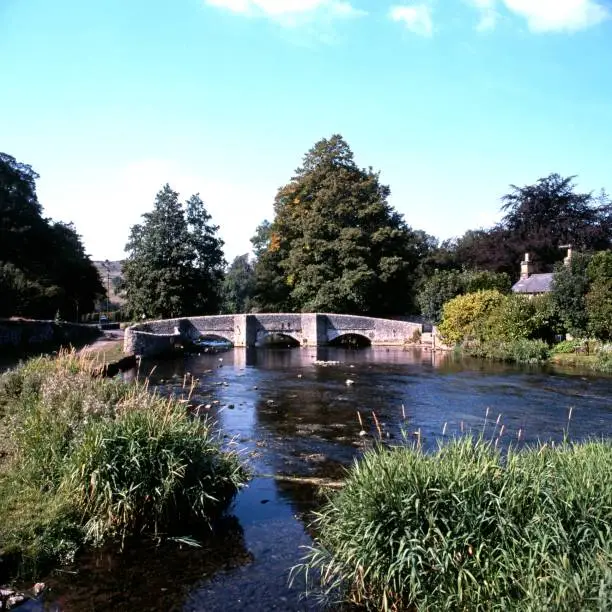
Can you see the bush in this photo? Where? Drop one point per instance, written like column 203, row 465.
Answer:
column 97, row 459
column 444, row 285
column 470, row 529
column 514, row 351
column 462, row 315
column 567, row 346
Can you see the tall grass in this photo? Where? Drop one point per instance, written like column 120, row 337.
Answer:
column 468, row 528
column 95, row 459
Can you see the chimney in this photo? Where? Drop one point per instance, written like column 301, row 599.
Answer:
column 526, row 267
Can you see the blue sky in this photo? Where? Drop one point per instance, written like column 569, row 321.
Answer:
column 452, row 100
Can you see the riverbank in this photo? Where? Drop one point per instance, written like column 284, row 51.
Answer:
column 89, row 460
column 567, row 354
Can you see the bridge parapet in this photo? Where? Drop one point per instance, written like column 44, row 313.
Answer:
column 309, row 329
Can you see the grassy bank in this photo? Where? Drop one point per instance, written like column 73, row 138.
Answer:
column 88, row 460
column 523, row 351
column 469, row 529
column 511, row 351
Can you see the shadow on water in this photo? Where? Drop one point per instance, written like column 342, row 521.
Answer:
column 294, row 415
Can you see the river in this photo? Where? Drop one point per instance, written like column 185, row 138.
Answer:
column 291, row 416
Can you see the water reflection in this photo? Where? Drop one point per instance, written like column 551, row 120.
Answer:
column 147, row 576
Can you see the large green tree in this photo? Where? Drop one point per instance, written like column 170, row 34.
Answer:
column 44, row 268
column 335, row 243
column 175, row 260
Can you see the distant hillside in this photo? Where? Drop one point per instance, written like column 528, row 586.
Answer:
column 114, row 273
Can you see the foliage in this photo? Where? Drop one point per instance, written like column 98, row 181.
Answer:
column 238, row 286
column 598, row 300
column 518, row 350
column 538, row 219
column 43, row 265
column 335, row 244
column 98, row 459
column 461, row 316
column 517, row 317
column 175, row 262
column 468, row 528
column 443, row 285
column 569, row 286
column 567, row 346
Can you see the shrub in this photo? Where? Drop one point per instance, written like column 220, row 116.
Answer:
column 470, row 529
column 515, row 351
column 97, row 459
column 444, row 285
column 461, row 315
column 567, row 346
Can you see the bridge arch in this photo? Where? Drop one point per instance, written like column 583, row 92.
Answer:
column 351, row 339
column 214, row 338
column 277, row 339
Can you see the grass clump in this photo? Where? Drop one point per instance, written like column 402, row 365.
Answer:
column 93, row 460
column 468, row 528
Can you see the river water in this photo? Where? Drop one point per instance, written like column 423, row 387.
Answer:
column 294, row 418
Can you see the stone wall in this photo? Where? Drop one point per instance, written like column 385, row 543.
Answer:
column 28, row 336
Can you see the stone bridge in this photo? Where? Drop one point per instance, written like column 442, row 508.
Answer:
column 248, row 330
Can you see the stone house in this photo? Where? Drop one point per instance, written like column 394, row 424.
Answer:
column 531, row 284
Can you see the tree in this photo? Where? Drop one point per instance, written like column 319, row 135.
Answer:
column 238, row 286
column 45, row 268
column 599, row 297
column 175, row 262
column 569, row 287
column 538, row 219
column 335, row 243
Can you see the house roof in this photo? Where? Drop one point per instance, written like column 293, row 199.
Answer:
column 536, row 283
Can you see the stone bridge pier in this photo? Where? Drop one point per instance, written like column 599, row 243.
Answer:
column 249, row 330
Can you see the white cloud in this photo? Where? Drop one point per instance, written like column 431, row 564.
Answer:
column 559, row 15
column 544, row 15
column 416, row 17
column 288, row 12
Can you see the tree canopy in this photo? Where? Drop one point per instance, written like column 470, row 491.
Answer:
column 175, row 260
column 44, row 269
column 335, row 243
column 538, row 219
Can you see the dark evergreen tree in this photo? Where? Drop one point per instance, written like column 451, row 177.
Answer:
column 175, row 262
